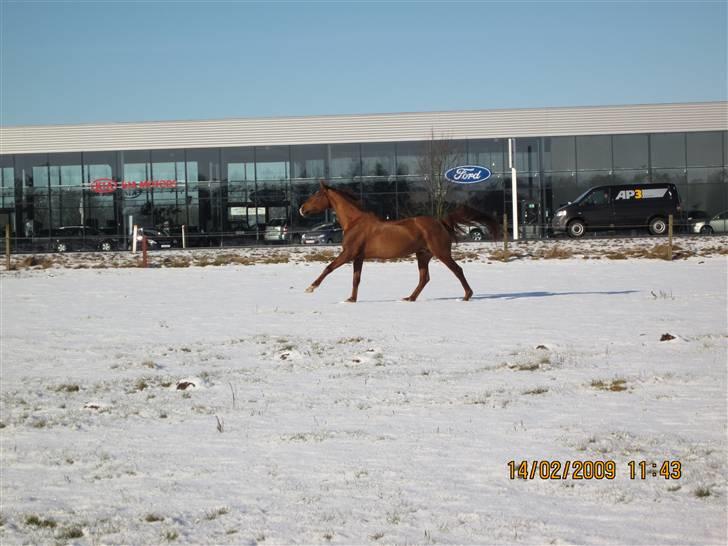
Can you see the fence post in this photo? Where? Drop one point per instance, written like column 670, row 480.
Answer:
column 7, row 247
column 669, row 237
column 144, row 251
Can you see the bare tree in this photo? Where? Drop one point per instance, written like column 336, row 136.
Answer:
column 438, row 155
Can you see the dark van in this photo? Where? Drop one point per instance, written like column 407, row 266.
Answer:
column 620, row 207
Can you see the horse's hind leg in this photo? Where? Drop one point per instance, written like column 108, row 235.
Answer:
column 455, row 268
column 423, row 261
column 442, row 252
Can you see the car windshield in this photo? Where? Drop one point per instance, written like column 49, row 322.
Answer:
column 277, row 222
column 322, row 227
column 581, row 197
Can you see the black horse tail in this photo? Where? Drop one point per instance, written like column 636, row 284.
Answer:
column 464, row 216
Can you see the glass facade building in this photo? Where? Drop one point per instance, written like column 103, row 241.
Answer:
column 228, row 194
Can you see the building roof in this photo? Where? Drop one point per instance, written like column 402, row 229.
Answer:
column 274, row 131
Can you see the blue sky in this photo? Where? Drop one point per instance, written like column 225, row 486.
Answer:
column 86, row 62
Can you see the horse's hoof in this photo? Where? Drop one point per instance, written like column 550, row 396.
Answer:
column 350, row 300
column 408, row 298
column 310, row 289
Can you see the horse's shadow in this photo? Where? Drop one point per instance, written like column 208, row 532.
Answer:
column 520, row 295
column 541, row 294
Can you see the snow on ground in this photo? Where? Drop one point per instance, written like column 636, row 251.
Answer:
column 223, row 405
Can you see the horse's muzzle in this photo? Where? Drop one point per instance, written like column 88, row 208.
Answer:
column 300, row 211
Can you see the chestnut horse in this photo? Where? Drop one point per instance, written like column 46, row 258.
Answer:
column 367, row 236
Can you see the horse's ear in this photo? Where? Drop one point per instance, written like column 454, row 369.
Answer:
column 324, row 187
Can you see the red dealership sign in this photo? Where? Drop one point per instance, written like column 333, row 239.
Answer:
column 108, row 185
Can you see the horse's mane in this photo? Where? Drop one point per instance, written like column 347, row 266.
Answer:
column 350, row 197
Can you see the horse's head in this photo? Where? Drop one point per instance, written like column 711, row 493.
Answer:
column 317, row 203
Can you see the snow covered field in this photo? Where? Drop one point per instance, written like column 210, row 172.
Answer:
column 307, row 420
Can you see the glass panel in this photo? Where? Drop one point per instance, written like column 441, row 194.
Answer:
column 345, row 161
column 559, row 154
column 272, row 163
column 408, row 158
column 593, row 153
column 667, row 150
column 563, row 188
column 709, row 198
column 309, row 161
column 378, row 167
column 67, row 199
column 168, row 197
column 31, row 172
column 7, row 182
column 631, row 177
column 100, row 207
column 590, row 179
column 527, row 154
column 488, row 153
column 272, row 168
column 137, row 201
column 704, row 149
column 238, row 168
column 384, row 205
column 705, row 176
column 630, row 151
column 202, row 167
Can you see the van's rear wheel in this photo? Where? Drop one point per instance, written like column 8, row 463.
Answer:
column 706, row 230
column 576, row 229
column 658, row 226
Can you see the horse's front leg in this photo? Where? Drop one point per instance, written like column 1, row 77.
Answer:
column 358, row 263
column 340, row 260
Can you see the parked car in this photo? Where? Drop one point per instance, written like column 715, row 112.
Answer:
column 623, row 206
column 194, row 236
column 156, row 239
column 241, row 233
column 717, row 224
column 67, row 238
column 329, row 232
column 477, row 232
column 280, row 230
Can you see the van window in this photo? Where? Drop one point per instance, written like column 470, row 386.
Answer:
column 596, row 198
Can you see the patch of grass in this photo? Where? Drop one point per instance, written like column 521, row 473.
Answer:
column 503, row 255
column 702, row 492
column 216, row 513
column 42, row 262
column 153, row 518
column 68, row 533
column 140, row 385
column 616, row 385
column 376, row 536
column 67, row 387
column 556, row 253
column 537, row 390
column 169, row 536
column 662, row 295
column 527, row 367
column 176, row 262
column 150, row 364
column 393, row 518
column 37, row 521
column 274, row 259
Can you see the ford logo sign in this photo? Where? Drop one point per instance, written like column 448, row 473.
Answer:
column 468, row 174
